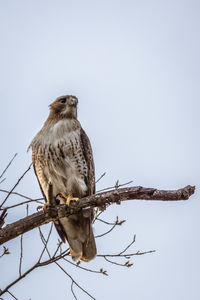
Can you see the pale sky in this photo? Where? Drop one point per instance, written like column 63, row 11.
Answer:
column 135, row 67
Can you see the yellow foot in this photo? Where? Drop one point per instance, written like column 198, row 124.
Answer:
column 43, row 206
column 68, row 198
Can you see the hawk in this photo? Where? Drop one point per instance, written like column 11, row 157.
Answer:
column 62, row 156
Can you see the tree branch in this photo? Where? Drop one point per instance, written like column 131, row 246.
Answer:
column 101, row 200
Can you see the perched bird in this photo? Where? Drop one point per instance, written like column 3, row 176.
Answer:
column 62, row 156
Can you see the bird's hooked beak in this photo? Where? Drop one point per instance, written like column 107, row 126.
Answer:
column 73, row 101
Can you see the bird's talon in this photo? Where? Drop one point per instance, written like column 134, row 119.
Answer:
column 43, row 206
column 69, row 198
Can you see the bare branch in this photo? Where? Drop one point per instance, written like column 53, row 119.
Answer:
column 128, row 255
column 21, row 255
column 77, row 265
column 12, row 295
column 16, row 185
column 108, row 231
column 73, row 291
column 82, row 289
column 35, row 266
column 2, row 217
column 38, row 200
column 6, row 168
column 45, row 242
column 52, row 260
column 1, row 183
column 101, row 200
column 133, row 241
column 116, row 186
column 100, row 177
column 115, row 263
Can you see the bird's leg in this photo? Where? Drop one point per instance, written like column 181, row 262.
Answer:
column 68, row 198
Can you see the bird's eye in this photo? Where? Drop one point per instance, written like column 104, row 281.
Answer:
column 63, row 100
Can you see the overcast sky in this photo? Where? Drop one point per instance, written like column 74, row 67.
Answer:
column 135, row 67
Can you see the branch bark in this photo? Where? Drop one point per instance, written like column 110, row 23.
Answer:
column 101, row 200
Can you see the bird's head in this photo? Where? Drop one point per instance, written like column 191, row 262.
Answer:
column 64, row 107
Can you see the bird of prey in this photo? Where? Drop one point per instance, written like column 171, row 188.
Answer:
column 62, row 156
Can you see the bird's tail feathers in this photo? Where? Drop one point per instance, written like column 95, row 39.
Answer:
column 78, row 231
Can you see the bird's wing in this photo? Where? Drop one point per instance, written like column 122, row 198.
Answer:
column 38, row 166
column 87, row 152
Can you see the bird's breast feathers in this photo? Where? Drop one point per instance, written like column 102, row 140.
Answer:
column 59, row 145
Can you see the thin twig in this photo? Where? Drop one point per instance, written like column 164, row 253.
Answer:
column 38, row 200
column 27, row 207
column 2, row 180
column 133, row 241
column 114, row 262
column 105, row 222
column 57, row 249
column 53, row 260
column 2, row 217
column 73, row 291
column 116, row 186
column 22, row 203
column 126, row 255
column 21, row 255
column 100, row 177
column 16, row 185
column 80, row 267
column 12, row 295
column 46, row 242
column 108, row 231
column 98, row 213
column 35, row 266
column 20, row 195
column 82, row 289
column 18, row 279
column 4, row 171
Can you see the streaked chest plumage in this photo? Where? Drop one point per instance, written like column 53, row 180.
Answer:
column 59, row 158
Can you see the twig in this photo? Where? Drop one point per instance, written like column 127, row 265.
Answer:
column 52, row 260
column 59, row 246
column 133, row 241
column 4, row 171
column 127, row 255
column 80, row 267
column 108, row 231
column 35, row 266
column 73, row 291
column 1, row 183
column 109, row 223
column 46, row 242
column 21, row 195
column 38, row 200
column 22, row 203
column 114, row 262
column 116, row 186
column 100, row 177
column 12, row 295
column 2, row 217
column 105, row 222
column 21, row 255
column 82, row 289
column 18, row 279
column 15, row 185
